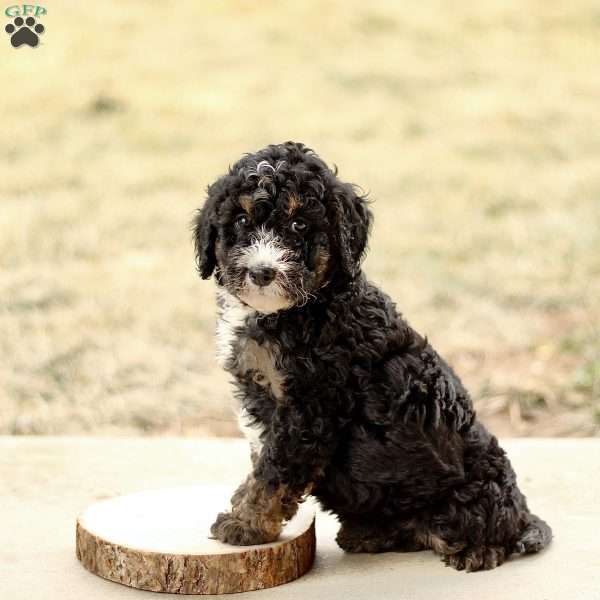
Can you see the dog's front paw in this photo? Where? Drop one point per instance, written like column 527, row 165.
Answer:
column 230, row 529
column 477, row 558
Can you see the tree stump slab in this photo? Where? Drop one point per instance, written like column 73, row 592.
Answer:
column 159, row 541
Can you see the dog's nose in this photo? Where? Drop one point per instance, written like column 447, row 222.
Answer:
column 261, row 275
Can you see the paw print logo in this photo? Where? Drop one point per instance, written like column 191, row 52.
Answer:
column 24, row 32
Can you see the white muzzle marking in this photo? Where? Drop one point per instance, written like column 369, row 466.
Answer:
column 266, row 251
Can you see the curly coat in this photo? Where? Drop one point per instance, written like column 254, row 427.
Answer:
column 339, row 396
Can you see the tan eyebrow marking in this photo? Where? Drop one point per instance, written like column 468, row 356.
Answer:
column 247, row 204
column 294, row 203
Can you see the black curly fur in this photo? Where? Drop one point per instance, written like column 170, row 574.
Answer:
column 372, row 421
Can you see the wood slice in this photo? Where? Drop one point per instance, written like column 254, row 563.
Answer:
column 159, row 541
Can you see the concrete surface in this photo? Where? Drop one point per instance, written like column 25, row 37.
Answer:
column 45, row 482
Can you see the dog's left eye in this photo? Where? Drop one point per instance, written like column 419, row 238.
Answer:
column 242, row 221
column 299, row 226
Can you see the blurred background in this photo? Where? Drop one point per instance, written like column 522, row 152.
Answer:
column 473, row 125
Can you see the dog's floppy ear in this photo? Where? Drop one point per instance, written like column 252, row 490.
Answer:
column 352, row 221
column 205, row 232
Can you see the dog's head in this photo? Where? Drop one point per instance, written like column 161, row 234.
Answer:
column 280, row 226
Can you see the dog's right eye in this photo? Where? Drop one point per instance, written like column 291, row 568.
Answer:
column 242, row 221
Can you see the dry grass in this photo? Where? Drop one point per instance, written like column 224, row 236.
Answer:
column 474, row 126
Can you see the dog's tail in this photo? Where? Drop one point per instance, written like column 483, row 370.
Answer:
column 535, row 536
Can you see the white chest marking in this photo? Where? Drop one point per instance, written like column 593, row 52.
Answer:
column 251, row 431
column 233, row 317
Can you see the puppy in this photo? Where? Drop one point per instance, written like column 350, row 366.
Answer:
column 339, row 397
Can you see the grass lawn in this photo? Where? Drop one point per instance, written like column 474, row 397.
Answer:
column 474, row 125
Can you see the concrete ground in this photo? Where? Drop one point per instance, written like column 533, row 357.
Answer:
column 45, row 482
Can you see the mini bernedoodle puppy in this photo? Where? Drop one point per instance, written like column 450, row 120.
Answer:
column 339, row 397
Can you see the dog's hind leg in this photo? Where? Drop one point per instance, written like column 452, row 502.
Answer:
column 361, row 534
column 484, row 531
column 535, row 536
